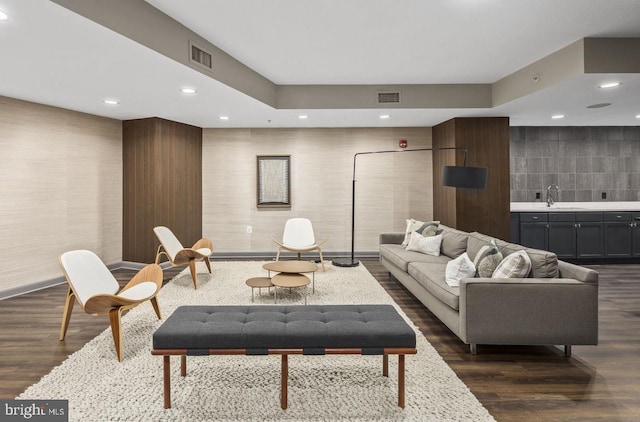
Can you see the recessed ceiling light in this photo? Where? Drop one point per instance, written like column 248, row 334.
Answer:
column 223, row 117
column 111, row 102
column 610, row 85
column 558, row 116
column 385, row 116
column 637, row 116
column 3, row 16
column 188, row 91
column 303, row 116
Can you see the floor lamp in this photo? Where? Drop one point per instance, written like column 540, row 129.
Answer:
column 453, row 176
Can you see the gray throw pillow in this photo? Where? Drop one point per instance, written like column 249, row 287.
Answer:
column 487, row 260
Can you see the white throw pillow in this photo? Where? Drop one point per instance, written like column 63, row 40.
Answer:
column 428, row 245
column 416, row 226
column 515, row 265
column 459, row 268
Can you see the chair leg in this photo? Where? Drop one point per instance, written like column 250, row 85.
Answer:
column 321, row 258
column 206, row 261
column 278, row 254
column 299, row 256
column 158, row 254
column 66, row 315
column 115, row 316
column 194, row 276
column 156, row 307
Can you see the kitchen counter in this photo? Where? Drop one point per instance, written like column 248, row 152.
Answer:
column 575, row 206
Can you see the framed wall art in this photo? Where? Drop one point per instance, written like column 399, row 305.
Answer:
column 274, row 181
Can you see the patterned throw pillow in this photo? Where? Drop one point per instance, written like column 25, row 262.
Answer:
column 459, row 268
column 416, row 226
column 428, row 245
column 515, row 265
column 487, row 260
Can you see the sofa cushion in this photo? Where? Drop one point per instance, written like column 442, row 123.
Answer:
column 431, row 276
column 454, row 242
column 429, row 245
column 400, row 257
column 459, row 268
column 475, row 242
column 515, row 265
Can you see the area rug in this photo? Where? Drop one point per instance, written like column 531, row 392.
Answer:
column 231, row 388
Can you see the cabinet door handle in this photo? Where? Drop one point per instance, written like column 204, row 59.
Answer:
column 575, row 226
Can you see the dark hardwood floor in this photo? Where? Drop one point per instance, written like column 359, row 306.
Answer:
column 515, row 383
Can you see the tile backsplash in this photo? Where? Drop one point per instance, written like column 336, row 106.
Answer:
column 586, row 162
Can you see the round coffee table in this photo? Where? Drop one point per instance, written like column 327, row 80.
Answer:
column 293, row 267
column 259, row 283
column 290, row 280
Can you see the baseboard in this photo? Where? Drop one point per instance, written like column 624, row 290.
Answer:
column 228, row 256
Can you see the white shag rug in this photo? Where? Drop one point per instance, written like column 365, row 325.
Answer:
column 231, row 388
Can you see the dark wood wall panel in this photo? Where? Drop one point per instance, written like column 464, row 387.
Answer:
column 162, row 164
column 487, row 142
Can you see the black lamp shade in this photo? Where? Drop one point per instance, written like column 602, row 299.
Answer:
column 464, row 177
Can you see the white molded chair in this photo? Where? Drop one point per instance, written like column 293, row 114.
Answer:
column 299, row 237
column 179, row 255
column 96, row 290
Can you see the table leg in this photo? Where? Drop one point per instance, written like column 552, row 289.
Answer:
column 252, row 295
column 283, row 381
column 183, row 366
column 401, row 381
column 385, row 365
column 313, row 282
column 167, row 381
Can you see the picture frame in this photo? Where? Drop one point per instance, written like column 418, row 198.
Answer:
column 273, row 181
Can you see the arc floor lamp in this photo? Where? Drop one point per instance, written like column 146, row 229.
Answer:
column 453, row 176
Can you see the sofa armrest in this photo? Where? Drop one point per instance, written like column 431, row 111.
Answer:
column 528, row 311
column 391, row 238
column 569, row 270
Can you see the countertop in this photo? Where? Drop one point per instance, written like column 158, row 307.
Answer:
column 575, row 206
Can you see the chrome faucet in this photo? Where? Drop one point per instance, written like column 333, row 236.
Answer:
column 550, row 200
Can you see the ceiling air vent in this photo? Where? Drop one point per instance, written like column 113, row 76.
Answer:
column 388, row 97
column 199, row 56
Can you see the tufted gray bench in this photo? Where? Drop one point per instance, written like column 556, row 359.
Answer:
column 284, row 330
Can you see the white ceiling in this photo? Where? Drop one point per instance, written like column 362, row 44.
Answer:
column 51, row 55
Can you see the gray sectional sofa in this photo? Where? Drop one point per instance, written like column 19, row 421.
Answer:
column 556, row 305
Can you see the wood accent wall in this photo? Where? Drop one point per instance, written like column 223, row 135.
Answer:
column 487, row 142
column 162, row 173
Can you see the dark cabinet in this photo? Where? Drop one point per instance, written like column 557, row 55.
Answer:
column 618, row 234
column 635, row 234
column 534, row 229
column 589, row 235
column 580, row 235
column 562, row 234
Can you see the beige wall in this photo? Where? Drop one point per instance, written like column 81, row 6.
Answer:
column 60, row 189
column 389, row 188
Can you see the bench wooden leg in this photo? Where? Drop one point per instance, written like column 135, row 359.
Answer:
column 183, row 366
column 401, row 381
column 167, row 382
column 283, row 381
column 385, row 365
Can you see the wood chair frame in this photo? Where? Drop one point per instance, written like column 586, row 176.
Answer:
column 113, row 305
column 189, row 256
